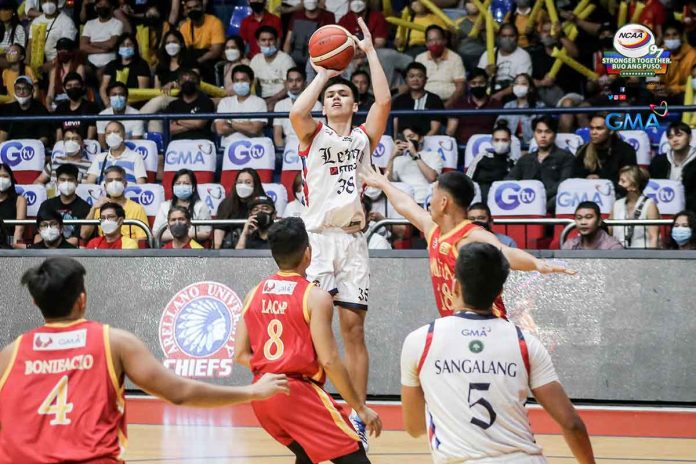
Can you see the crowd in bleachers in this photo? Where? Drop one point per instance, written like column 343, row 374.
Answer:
column 123, row 57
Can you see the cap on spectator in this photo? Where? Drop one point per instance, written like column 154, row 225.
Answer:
column 261, row 200
column 26, row 79
column 65, row 44
column 576, row 98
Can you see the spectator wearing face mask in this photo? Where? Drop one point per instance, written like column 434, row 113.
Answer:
column 464, row 127
column 480, row 213
column 633, row 204
column 15, row 57
column 415, row 40
column 682, row 236
column 682, row 57
column 257, row 19
column 115, row 183
column 76, row 105
column 445, row 70
column 68, row 60
column 67, row 204
column 510, row 61
column 99, row 35
column 51, row 235
column 254, row 235
column 118, row 98
column 128, row 67
column 178, row 226
column 525, row 97
column 493, row 164
column 204, row 35
column 185, row 195
column 58, row 25
column 591, row 231
column 270, row 66
column 11, row 30
column 74, row 154
column 111, row 218
column 172, row 56
column 190, row 100
column 378, row 26
column 242, row 102
column 679, row 163
column 24, row 107
column 236, row 206
column 302, row 25
column 295, row 84
column 296, row 207
column 12, row 205
column 118, row 155
column 234, row 55
column 413, row 166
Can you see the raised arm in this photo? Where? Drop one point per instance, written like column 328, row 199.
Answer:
column 300, row 113
column 377, row 117
column 402, row 202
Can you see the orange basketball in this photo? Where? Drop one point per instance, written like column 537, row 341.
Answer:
column 331, row 47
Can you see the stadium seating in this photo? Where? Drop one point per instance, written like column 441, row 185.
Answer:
column 197, row 155
column 519, row 199
column 148, row 150
column 149, row 196
column 35, row 195
column 663, row 146
column 212, row 195
column 90, row 192
column 564, row 140
column 572, row 192
column 26, row 157
column 292, row 165
column 640, row 142
column 279, row 195
column 257, row 153
column 384, row 149
column 446, row 147
column 91, row 149
column 478, row 143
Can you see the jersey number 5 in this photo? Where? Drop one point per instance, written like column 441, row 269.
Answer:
column 56, row 403
column 273, row 348
column 483, row 403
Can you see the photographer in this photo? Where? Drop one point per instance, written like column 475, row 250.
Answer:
column 410, row 165
column 262, row 213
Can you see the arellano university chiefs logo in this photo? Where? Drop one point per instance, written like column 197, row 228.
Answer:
column 197, row 329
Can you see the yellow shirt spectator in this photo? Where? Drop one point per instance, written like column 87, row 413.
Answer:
column 133, row 211
column 680, row 69
column 417, row 37
column 9, row 76
column 210, row 33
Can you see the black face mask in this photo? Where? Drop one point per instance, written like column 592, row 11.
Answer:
column 607, row 43
column 478, row 92
column 189, row 88
column 257, row 7
column 264, row 220
column 620, row 191
column 103, row 12
column 195, row 15
column 75, row 93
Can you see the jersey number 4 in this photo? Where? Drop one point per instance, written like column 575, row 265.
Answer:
column 483, row 403
column 56, row 403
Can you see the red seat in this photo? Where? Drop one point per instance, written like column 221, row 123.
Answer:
column 197, row 155
column 26, row 157
column 257, row 153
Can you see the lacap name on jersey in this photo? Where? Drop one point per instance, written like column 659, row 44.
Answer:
column 279, row 287
column 60, row 341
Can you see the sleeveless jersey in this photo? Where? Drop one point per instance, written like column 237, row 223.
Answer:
column 60, row 400
column 332, row 187
column 277, row 320
column 475, row 373
column 442, row 254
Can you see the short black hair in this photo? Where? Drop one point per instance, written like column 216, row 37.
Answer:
column 188, row 72
column 678, row 126
column 298, row 70
column 180, row 209
column 49, row 215
column 118, row 209
column 73, row 76
column 262, row 29
column 416, row 65
column 415, row 128
column 511, row 26
column 69, row 169
column 502, row 125
column 478, row 72
column 116, row 84
column 482, row 206
column 435, row 27
column 547, row 120
column 589, row 205
column 340, row 80
column 361, row 72
column 459, row 186
column 243, row 68
column 115, row 168
column 676, row 25
column 288, row 240
column 481, row 271
column 55, row 285
column 120, row 124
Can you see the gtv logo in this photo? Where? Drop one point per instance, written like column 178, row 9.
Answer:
column 144, row 197
column 141, row 150
column 510, row 195
column 14, row 153
column 28, row 194
column 242, row 151
column 379, row 150
column 660, row 194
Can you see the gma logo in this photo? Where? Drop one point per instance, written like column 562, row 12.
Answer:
column 625, row 121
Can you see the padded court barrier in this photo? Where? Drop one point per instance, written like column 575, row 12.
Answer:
column 620, row 330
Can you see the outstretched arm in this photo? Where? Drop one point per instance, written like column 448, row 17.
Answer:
column 377, row 117
column 300, row 113
column 402, row 202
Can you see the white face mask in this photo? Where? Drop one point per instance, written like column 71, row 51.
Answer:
column 5, row 183
column 357, row 6
column 672, row 44
column 22, row 100
column 501, row 147
column 71, row 147
column 109, row 227
column 67, row 188
column 114, row 140
column 372, row 193
column 172, row 48
column 232, row 54
column 310, row 5
column 50, row 234
column 244, row 190
column 115, row 188
column 49, row 8
column 520, row 91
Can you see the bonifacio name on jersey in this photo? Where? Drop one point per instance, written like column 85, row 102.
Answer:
column 475, row 366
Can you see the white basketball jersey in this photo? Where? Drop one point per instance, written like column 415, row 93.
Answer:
column 474, row 375
column 331, row 184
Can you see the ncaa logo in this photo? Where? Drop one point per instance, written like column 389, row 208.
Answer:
column 510, row 195
column 14, row 153
column 242, row 151
column 634, row 41
column 197, row 329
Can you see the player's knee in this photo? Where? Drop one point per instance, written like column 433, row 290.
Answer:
column 353, row 333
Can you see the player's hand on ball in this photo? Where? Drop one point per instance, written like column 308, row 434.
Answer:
column 366, row 43
column 547, row 268
column 269, row 385
column 371, row 420
column 373, row 178
column 324, row 72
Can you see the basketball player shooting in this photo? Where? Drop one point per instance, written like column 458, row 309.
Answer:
column 447, row 229
column 333, row 155
column 62, row 384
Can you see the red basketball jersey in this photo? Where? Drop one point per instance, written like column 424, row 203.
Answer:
column 277, row 319
column 60, row 400
column 442, row 253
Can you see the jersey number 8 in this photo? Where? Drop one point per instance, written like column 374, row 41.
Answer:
column 273, row 348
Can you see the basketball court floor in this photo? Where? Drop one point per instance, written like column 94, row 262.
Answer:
column 161, row 433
